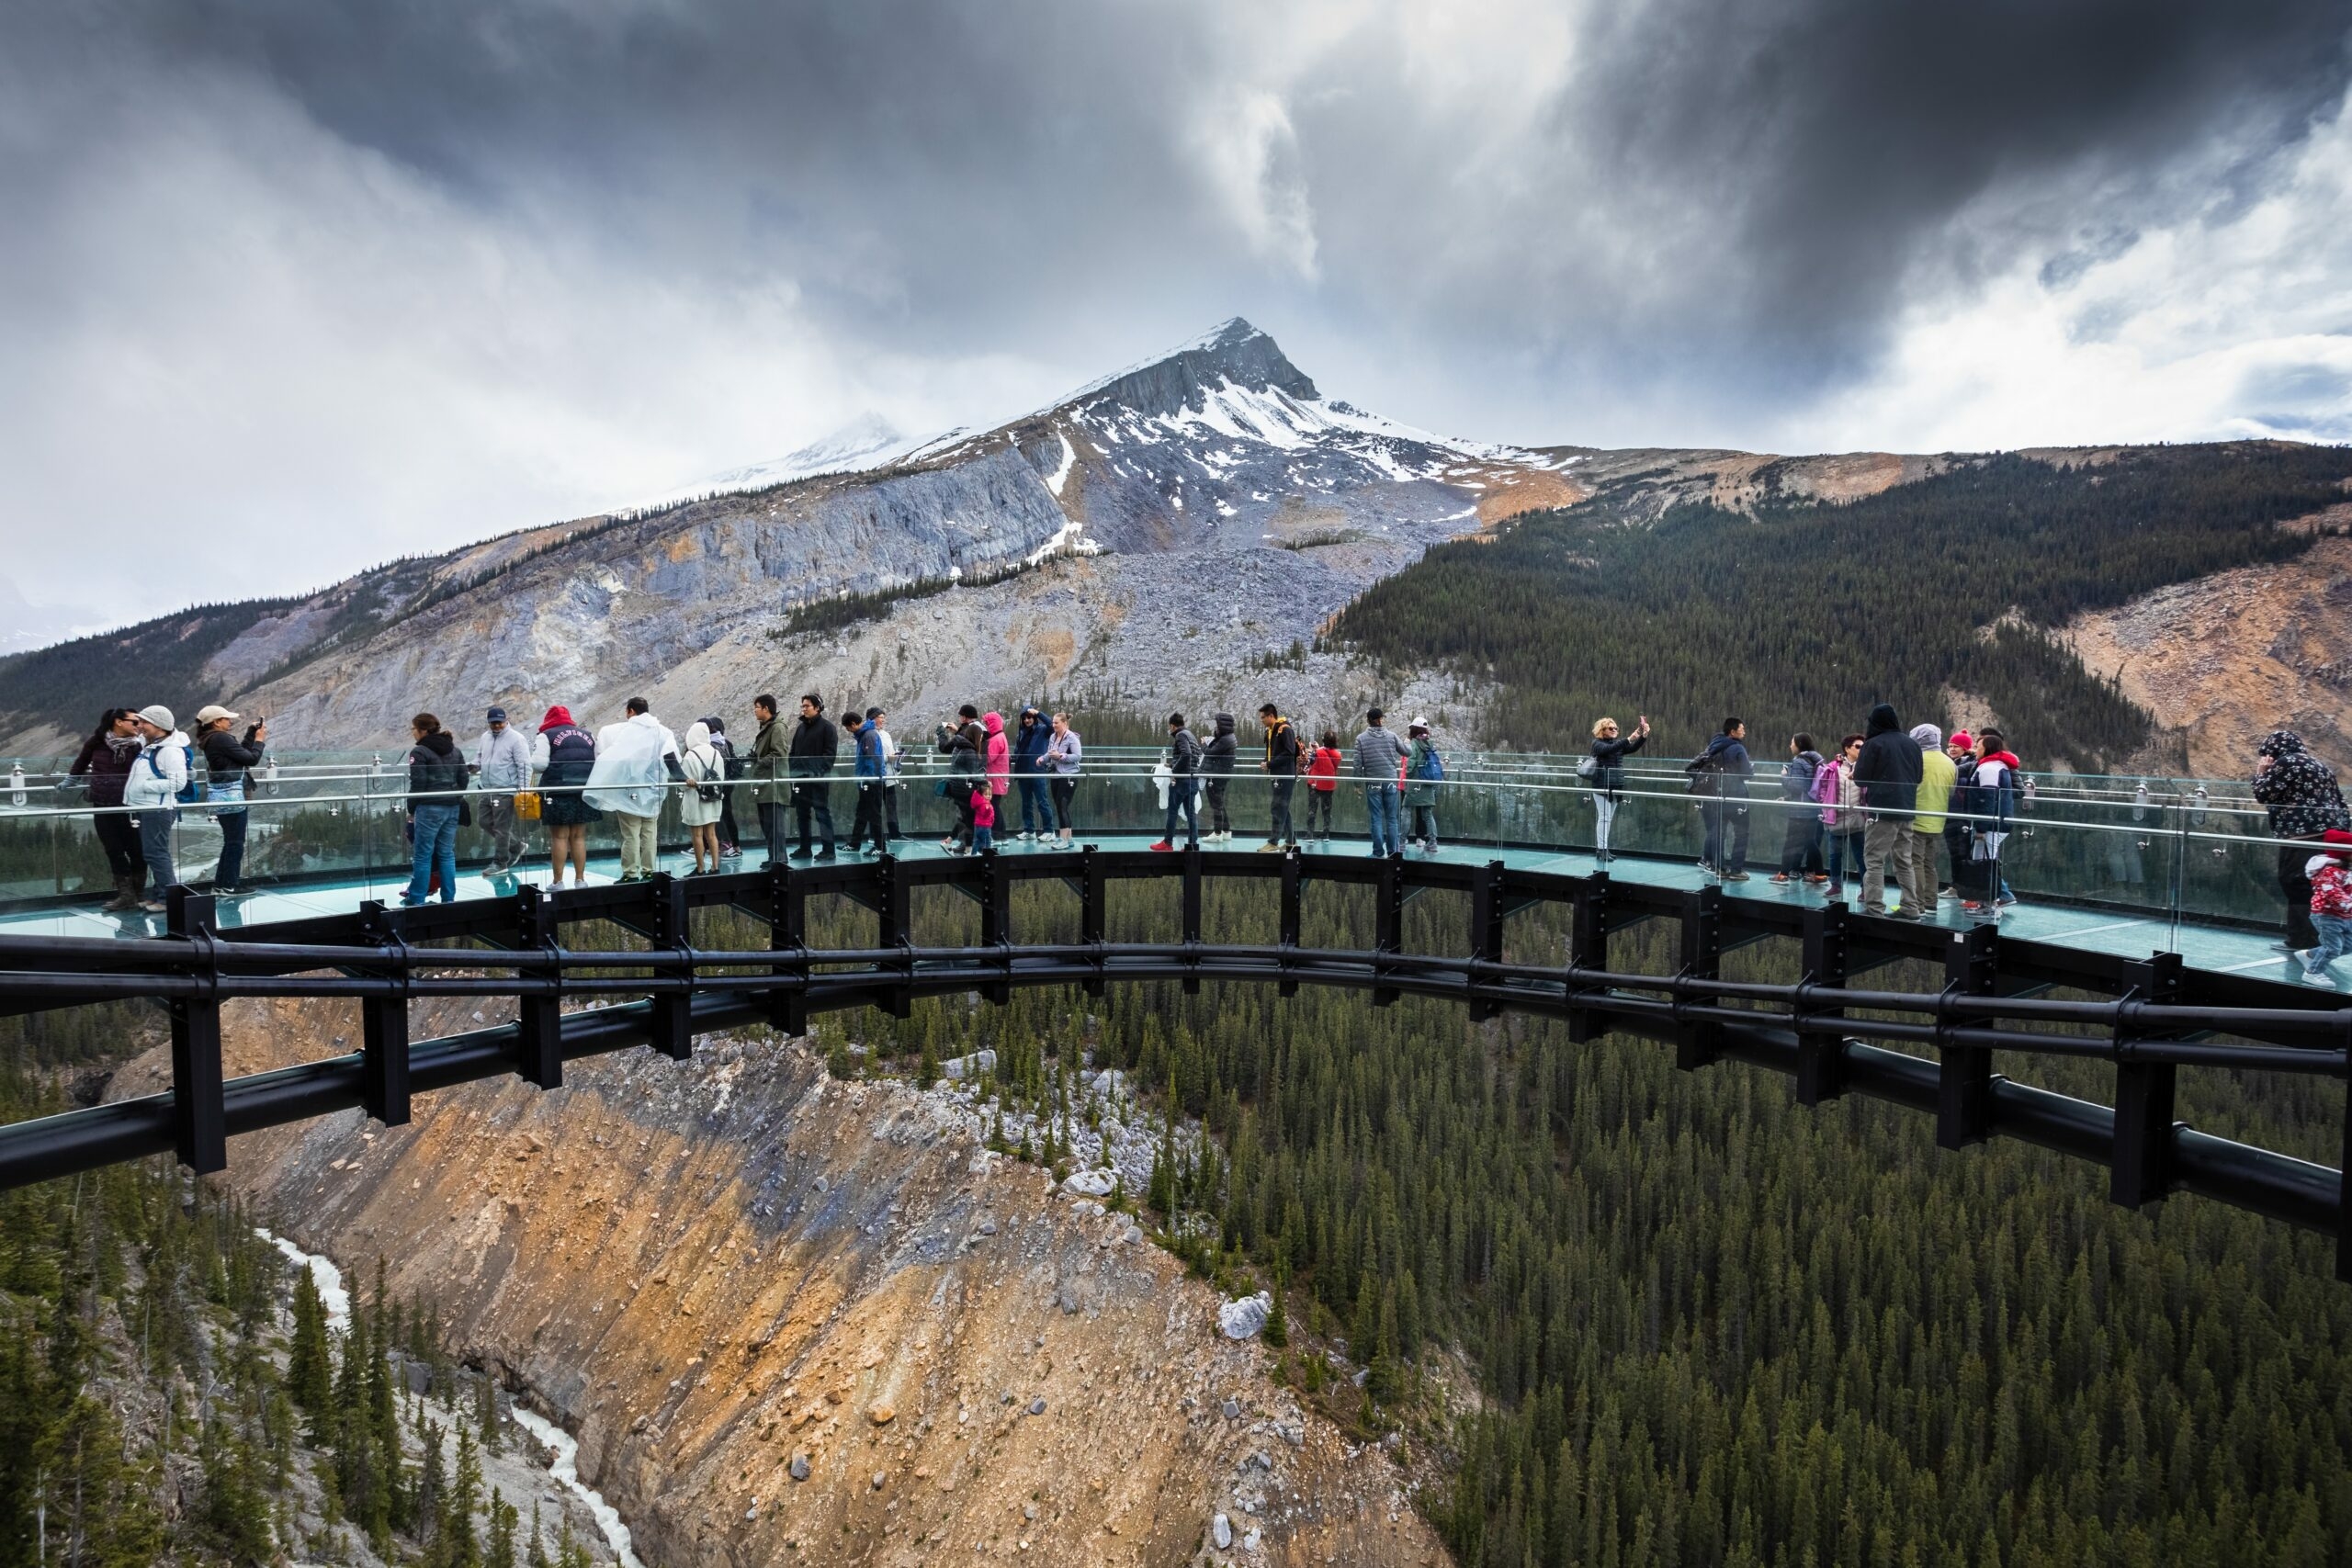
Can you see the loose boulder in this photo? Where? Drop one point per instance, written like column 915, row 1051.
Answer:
column 1243, row 1319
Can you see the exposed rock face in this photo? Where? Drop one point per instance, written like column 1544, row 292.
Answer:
column 2225, row 660
column 751, row 1290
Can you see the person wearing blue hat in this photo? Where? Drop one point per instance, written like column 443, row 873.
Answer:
column 503, row 768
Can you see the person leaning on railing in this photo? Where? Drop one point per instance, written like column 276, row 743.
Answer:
column 2300, row 794
column 105, row 760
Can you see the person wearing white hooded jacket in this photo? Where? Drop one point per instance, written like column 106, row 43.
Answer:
column 700, row 803
column 157, row 775
column 636, row 760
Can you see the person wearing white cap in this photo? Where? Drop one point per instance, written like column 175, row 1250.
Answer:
column 501, row 766
column 157, row 775
column 1422, row 770
column 225, row 762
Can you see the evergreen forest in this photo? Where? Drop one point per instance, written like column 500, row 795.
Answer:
column 1803, row 615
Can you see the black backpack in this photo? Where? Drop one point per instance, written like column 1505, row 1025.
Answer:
column 1702, row 773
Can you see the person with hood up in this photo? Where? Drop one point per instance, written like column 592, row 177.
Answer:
column 1029, row 741
column 157, row 775
column 2330, row 874
column 1285, row 759
column 1721, row 775
column 816, row 745
column 437, row 785
column 870, row 770
column 1801, row 838
column 1936, row 777
column 1217, row 771
column 2300, row 794
column 996, row 751
column 730, row 838
column 704, row 797
column 1380, row 762
column 635, row 761
column 1841, row 815
column 1992, row 798
column 1184, row 766
column 1422, row 770
column 1887, row 774
column 105, row 760
column 501, row 767
column 1609, row 753
column 226, row 759
column 565, row 756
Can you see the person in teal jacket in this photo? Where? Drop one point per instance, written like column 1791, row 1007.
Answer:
column 1421, row 769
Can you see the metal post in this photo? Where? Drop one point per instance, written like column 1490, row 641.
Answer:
column 673, row 1011
column 1964, row 1075
column 896, row 927
column 1821, row 1058
column 199, row 1117
column 1290, row 922
column 2344, row 1165
column 2144, row 1094
column 788, row 932
column 1588, row 947
column 1388, row 922
column 1696, row 1046
column 1094, row 898
column 1486, row 918
column 383, row 1024
column 996, row 920
column 1190, row 915
column 539, row 1033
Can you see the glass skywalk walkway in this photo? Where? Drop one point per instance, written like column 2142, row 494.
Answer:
column 2118, row 867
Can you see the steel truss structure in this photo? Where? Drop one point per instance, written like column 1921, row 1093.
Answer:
column 2157, row 1017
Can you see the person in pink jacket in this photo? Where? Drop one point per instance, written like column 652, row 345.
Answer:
column 999, row 753
column 1841, row 814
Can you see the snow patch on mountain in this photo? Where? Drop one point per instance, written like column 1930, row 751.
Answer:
column 865, row 443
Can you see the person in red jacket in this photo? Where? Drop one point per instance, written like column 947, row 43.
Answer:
column 1322, row 785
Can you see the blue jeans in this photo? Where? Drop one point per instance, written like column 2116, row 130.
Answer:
column 436, row 850
column 1181, row 796
column 1841, row 850
column 156, row 848
column 233, row 820
column 2335, row 940
column 1380, row 808
column 1036, row 812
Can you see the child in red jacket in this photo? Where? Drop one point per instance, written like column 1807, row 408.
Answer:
column 1322, row 785
column 2330, row 872
column 983, row 817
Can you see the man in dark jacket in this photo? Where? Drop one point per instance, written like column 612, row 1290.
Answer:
column 1217, row 767
column 1183, row 764
column 1283, row 762
column 1029, row 773
column 810, row 758
column 1887, row 774
column 2304, row 802
column 1725, row 769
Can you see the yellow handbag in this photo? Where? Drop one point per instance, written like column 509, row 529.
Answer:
column 526, row 805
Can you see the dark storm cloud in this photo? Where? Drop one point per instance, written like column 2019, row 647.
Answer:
column 1786, row 172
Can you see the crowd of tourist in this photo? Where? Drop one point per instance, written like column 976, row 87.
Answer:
column 1911, row 810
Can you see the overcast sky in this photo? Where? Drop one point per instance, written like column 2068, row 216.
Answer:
column 291, row 287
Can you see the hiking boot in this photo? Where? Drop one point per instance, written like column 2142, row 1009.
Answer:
column 125, row 896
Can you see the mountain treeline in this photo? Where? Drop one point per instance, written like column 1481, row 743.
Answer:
column 1711, row 1327
column 159, row 1405
column 1803, row 615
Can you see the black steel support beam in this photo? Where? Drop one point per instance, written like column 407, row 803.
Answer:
column 2145, row 1096
column 895, row 927
column 1288, row 920
column 1093, row 907
column 199, row 1119
column 1588, row 920
column 538, row 1038
column 673, row 1018
column 1487, row 914
column 788, row 932
column 1821, row 1057
column 383, row 1024
column 1965, row 1074
column 1389, row 920
column 1189, row 909
column 1697, row 1043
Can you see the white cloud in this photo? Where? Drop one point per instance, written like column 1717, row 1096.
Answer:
column 1250, row 155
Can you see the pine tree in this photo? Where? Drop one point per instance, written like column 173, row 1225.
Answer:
column 503, row 1518
column 535, row 1555
column 309, row 1373
column 486, row 1415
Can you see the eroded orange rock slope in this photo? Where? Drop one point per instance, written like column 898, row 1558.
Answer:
column 711, row 1268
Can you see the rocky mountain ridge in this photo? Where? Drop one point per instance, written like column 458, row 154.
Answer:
column 1155, row 538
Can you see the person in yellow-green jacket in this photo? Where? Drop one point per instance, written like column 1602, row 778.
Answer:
column 1936, row 775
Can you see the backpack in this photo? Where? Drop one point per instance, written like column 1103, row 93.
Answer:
column 1433, row 766
column 190, row 794
column 1700, row 773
